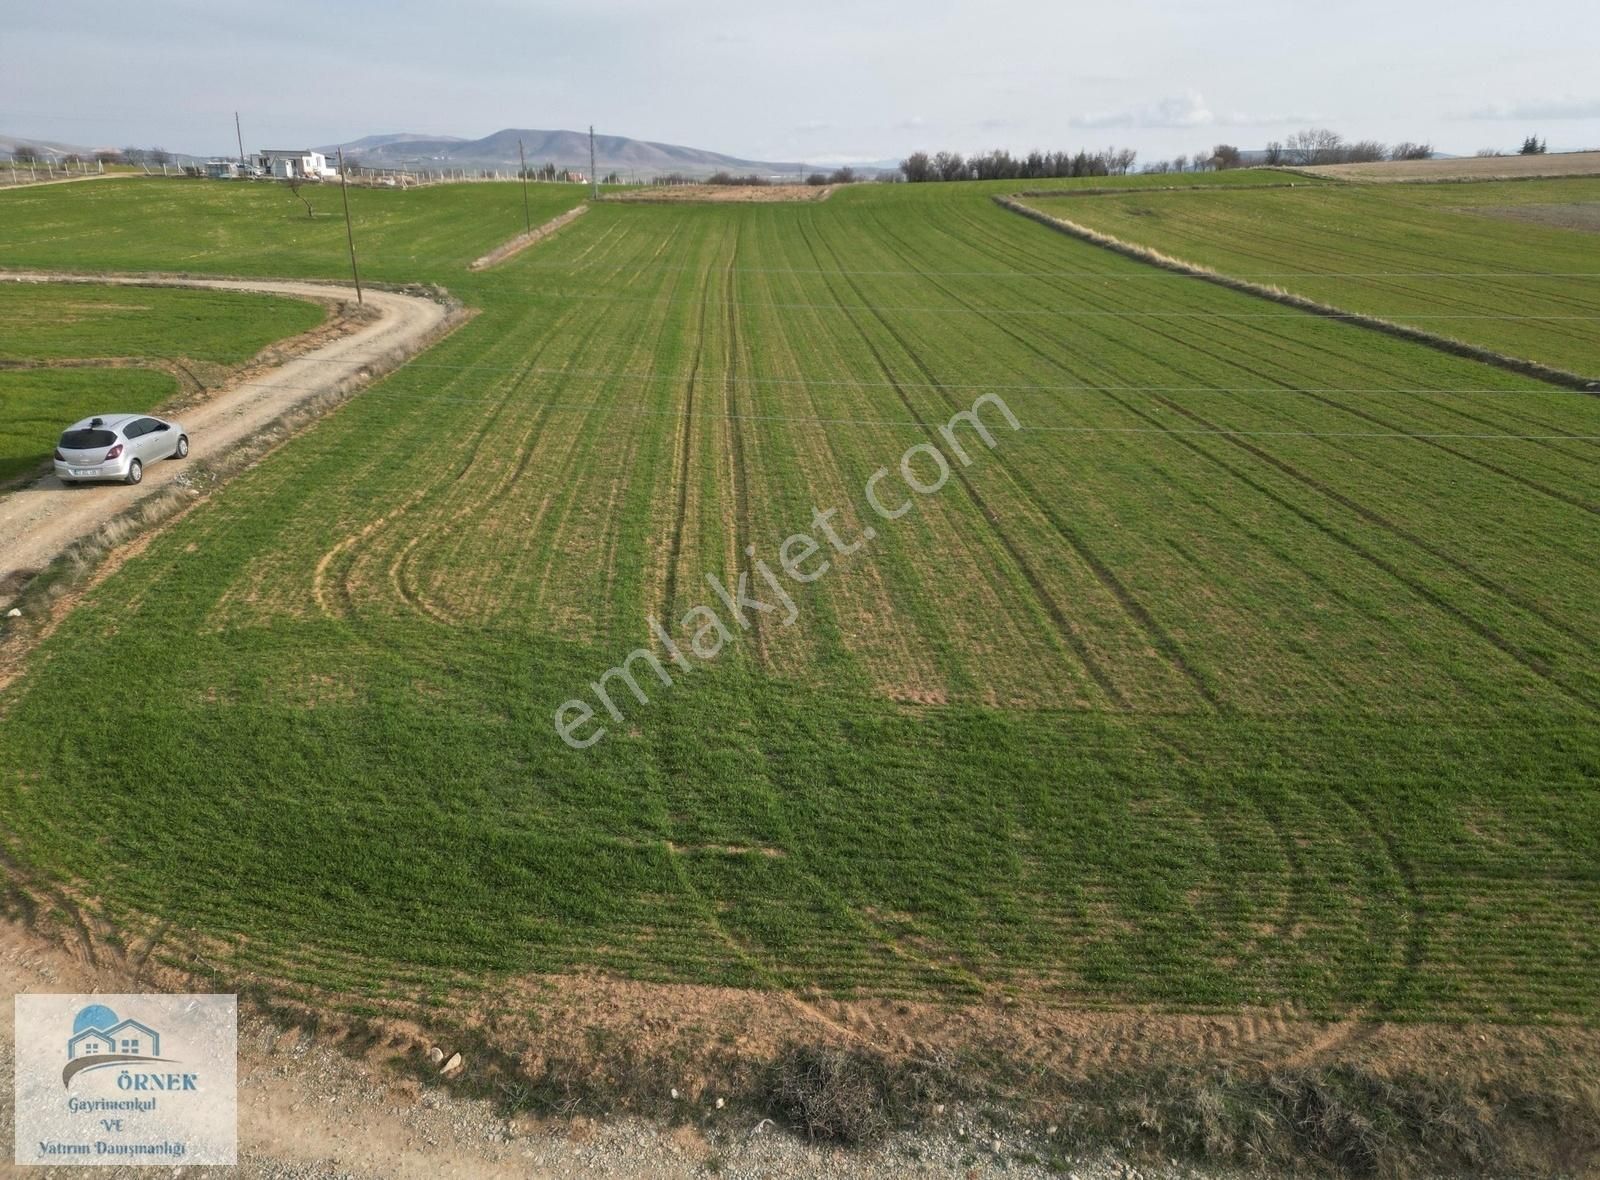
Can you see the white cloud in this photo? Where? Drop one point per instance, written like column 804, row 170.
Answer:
column 1189, row 110
column 1561, row 108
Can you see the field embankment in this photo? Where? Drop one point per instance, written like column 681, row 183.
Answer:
column 522, row 241
column 1278, row 295
column 1482, row 264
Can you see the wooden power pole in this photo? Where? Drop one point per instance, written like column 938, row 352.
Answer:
column 349, row 233
column 527, row 220
column 594, row 177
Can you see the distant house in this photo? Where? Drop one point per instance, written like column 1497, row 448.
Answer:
column 299, row 164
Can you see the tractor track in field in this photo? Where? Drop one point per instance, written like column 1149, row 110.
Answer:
column 684, row 462
column 1158, row 635
column 1047, row 599
column 739, row 462
column 1560, row 378
column 399, row 569
column 1535, row 664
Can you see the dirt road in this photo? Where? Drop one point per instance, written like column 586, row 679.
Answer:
column 39, row 521
column 22, row 182
column 310, row 1110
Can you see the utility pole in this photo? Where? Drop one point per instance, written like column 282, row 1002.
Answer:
column 594, row 177
column 527, row 220
column 240, row 136
column 349, row 233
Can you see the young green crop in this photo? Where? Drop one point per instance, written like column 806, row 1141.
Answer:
column 1453, row 259
column 1256, row 669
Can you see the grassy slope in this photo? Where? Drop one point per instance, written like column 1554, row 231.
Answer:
column 42, row 323
column 1420, row 254
column 1302, row 713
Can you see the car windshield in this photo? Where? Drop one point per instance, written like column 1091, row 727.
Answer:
column 87, row 439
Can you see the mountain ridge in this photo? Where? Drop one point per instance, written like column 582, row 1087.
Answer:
column 566, row 149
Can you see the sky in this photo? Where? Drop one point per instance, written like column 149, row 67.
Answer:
column 821, row 81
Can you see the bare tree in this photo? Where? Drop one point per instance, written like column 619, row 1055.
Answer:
column 110, row 157
column 1225, row 155
column 1315, row 145
column 918, row 167
column 26, row 153
column 1274, row 154
column 1180, row 163
column 951, row 166
column 160, row 155
column 295, row 182
column 1363, row 151
column 1407, row 150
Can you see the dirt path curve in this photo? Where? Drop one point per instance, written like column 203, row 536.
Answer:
column 40, row 520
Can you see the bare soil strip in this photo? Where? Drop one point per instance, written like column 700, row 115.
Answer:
column 725, row 194
column 1554, row 164
column 1277, row 295
column 39, row 522
column 522, row 241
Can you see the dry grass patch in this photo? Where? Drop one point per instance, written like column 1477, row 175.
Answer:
column 1466, row 168
column 725, row 194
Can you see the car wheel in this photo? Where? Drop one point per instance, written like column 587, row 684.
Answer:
column 135, row 472
column 183, row 447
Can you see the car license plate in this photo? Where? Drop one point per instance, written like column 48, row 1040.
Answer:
column 81, row 471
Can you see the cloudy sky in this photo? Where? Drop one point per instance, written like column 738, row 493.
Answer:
column 821, row 80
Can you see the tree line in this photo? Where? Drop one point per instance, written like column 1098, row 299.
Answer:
column 920, row 167
column 1315, row 145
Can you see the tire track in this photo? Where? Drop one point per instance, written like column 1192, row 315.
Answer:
column 1159, row 637
column 1067, row 631
column 1510, row 595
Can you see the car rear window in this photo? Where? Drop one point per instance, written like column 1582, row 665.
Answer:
column 86, row 440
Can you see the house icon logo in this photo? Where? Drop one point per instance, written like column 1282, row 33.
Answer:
column 100, row 1039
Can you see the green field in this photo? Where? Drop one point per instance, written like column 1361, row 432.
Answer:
column 123, row 328
column 1461, row 260
column 38, row 403
column 1258, row 667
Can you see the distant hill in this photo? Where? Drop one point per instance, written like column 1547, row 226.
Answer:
column 566, row 149
column 51, row 147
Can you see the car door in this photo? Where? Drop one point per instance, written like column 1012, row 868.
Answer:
column 146, row 440
column 159, row 441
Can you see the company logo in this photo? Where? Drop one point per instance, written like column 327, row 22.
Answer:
column 100, row 1040
column 133, row 1080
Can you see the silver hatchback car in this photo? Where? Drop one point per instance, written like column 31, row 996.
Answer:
column 117, row 446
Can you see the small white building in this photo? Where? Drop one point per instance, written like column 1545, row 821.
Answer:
column 299, row 164
column 224, row 169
